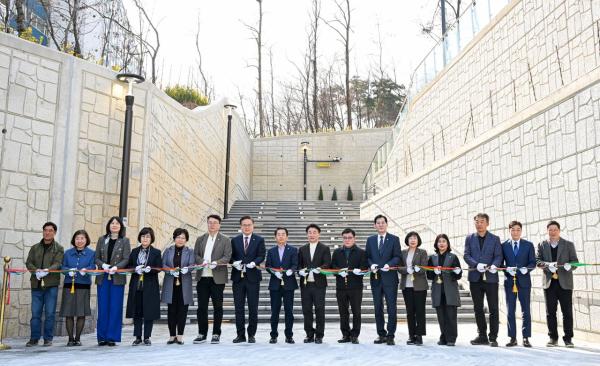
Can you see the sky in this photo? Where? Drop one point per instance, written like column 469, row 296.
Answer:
column 228, row 49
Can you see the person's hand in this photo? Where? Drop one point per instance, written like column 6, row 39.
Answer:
column 174, row 273
column 493, row 269
column 316, row 270
column 567, row 266
column 105, row 266
column 523, row 270
column 139, row 269
column 343, row 274
column 386, row 268
column 204, row 263
column 457, row 270
column 302, row 272
column 82, row 272
column 374, row 267
column 147, row 269
column 481, row 267
column 279, row 275
column 417, row 269
column 184, row 270
column 410, row 270
column 237, row 265
column 251, row 265
column 213, row 265
column 511, row 271
column 552, row 267
column 289, row 273
column 437, row 270
column 72, row 272
column 357, row 271
column 113, row 270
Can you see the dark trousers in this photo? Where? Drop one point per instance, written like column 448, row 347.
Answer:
column 288, row 307
column 242, row 291
column 207, row 289
column 480, row 289
column 176, row 312
column 110, row 310
column 524, row 295
column 553, row 295
column 313, row 296
column 391, row 298
column 447, row 315
column 415, row 311
column 349, row 298
column 137, row 327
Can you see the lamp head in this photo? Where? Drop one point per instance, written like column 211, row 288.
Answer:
column 304, row 145
column 230, row 108
column 130, row 79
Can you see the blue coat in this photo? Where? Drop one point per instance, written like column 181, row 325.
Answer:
column 390, row 254
column 255, row 253
column 490, row 254
column 289, row 261
column 525, row 258
column 86, row 259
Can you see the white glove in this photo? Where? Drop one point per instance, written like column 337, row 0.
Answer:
column 386, row 268
column 113, row 270
column 316, row 270
column 82, row 272
column 552, row 267
column 343, row 274
column 237, row 265
column 251, row 265
column 374, row 267
column 437, row 271
column 279, row 275
column 41, row 273
column 457, row 270
column 72, row 272
column 302, row 273
column 174, row 273
column 205, row 263
column 139, row 269
column 147, row 269
column 493, row 269
column 567, row 266
column 357, row 271
column 410, row 270
column 511, row 271
column 481, row 267
column 417, row 268
column 289, row 272
column 523, row 270
column 213, row 265
column 105, row 266
column 184, row 270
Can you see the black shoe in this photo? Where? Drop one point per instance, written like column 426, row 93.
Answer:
column 318, row 340
column 71, row 343
column 442, row 343
column 251, row 339
column 479, row 341
column 201, row 338
column 410, row 341
column 172, row 341
column 47, row 342
column 552, row 343
column 216, row 339
column 309, row 340
column 380, row 340
column 289, row 340
column 32, row 343
column 239, row 339
column 102, row 343
column 512, row 343
column 77, row 343
column 147, row 342
column 344, row 340
column 179, row 342
column 450, row 344
column 493, row 343
column 526, row 343
column 569, row 344
column 419, row 340
column 390, row 341
column 137, row 342
column 273, row 340
column 111, row 344
column 354, row 340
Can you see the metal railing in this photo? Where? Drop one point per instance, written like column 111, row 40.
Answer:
column 474, row 16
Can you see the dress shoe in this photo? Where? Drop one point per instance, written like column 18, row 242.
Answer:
column 354, row 340
column 216, row 338
column 442, row 343
column 493, row 343
column 309, row 340
column 526, row 343
column 171, row 341
column 201, row 338
column 102, row 343
column 512, row 343
column 251, row 339
column 289, row 340
column 137, row 342
column 410, row 341
column 32, row 343
column 318, row 340
column 344, row 340
column 569, row 344
column 179, row 342
column 419, row 340
column 390, row 341
column 71, row 343
column 77, row 343
column 479, row 341
column 147, row 342
column 239, row 339
column 47, row 342
column 380, row 340
column 552, row 343
column 450, row 344
column 111, row 344
column 273, row 340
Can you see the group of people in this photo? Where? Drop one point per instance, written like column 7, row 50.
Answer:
column 389, row 266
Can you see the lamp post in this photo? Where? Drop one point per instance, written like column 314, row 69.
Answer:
column 304, row 148
column 130, row 79
column 230, row 108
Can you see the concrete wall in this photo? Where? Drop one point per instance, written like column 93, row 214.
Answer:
column 530, row 150
column 62, row 149
column 278, row 165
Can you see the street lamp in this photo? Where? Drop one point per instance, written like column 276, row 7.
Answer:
column 304, row 148
column 129, row 79
column 230, row 108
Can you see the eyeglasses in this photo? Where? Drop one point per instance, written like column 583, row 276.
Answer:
column 181, row 237
column 347, row 237
column 146, row 236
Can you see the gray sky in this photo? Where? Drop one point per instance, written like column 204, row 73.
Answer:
column 227, row 47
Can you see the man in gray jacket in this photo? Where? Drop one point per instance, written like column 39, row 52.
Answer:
column 214, row 251
column 554, row 256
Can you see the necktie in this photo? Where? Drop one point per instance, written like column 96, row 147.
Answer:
column 245, row 244
column 515, row 248
column 380, row 243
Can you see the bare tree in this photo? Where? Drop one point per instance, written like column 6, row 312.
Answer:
column 204, row 86
column 151, row 48
column 342, row 26
column 20, row 19
column 256, row 32
column 316, row 16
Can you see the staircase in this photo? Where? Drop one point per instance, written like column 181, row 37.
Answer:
column 332, row 217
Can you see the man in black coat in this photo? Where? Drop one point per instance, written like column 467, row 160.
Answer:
column 313, row 285
column 349, row 259
column 247, row 253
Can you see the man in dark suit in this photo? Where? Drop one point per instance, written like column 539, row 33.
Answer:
column 349, row 259
column 483, row 252
column 555, row 256
column 383, row 252
column 519, row 260
column 247, row 252
column 282, row 283
column 311, row 258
